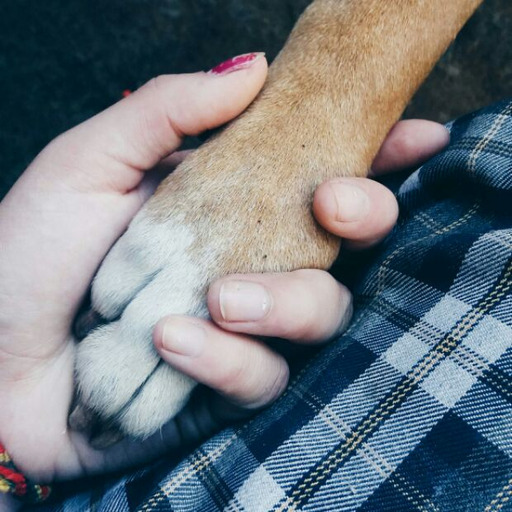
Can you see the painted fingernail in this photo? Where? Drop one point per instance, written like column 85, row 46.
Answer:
column 236, row 63
column 242, row 301
column 352, row 203
column 183, row 337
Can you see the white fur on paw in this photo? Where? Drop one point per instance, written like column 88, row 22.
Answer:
column 110, row 373
column 148, row 274
column 146, row 248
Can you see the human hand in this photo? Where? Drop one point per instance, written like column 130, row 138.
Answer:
column 60, row 219
column 307, row 307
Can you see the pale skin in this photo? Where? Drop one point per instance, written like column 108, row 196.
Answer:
column 75, row 200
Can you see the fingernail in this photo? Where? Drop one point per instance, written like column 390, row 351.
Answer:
column 236, row 63
column 183, row 337
column 352, row 203
column 242, row 301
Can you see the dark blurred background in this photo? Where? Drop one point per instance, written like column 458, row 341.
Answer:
column 61, row 61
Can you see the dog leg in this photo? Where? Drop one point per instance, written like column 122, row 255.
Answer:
column 242, row 202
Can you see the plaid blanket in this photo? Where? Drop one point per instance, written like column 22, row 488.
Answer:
column 411, row 409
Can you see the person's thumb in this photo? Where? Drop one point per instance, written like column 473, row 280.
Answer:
column 113, row 148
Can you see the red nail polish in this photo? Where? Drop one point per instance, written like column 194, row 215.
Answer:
column 236, row 63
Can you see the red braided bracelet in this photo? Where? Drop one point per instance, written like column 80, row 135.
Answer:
column 13, row 482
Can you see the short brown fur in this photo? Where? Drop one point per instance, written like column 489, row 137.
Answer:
column 342, row 80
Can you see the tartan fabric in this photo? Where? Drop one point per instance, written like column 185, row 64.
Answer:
column 411, row 409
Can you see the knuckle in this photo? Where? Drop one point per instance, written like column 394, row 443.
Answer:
column 231, row 380
column 403, row 140
column 156, row 83
column 270, row 390
column 314, row 280
column 305, row 326
column 325, row 305
column 312, row 283
column 308, row 328
column 255, row 379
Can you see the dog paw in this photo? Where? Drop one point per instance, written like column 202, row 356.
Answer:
column 148, row 274
column 241, row 203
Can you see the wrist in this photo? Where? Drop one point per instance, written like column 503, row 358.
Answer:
column 14, row 484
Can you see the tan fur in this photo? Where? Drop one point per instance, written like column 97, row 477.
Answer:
column 342, row 80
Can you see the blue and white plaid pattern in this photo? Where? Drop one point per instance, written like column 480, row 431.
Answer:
column 411, row 409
